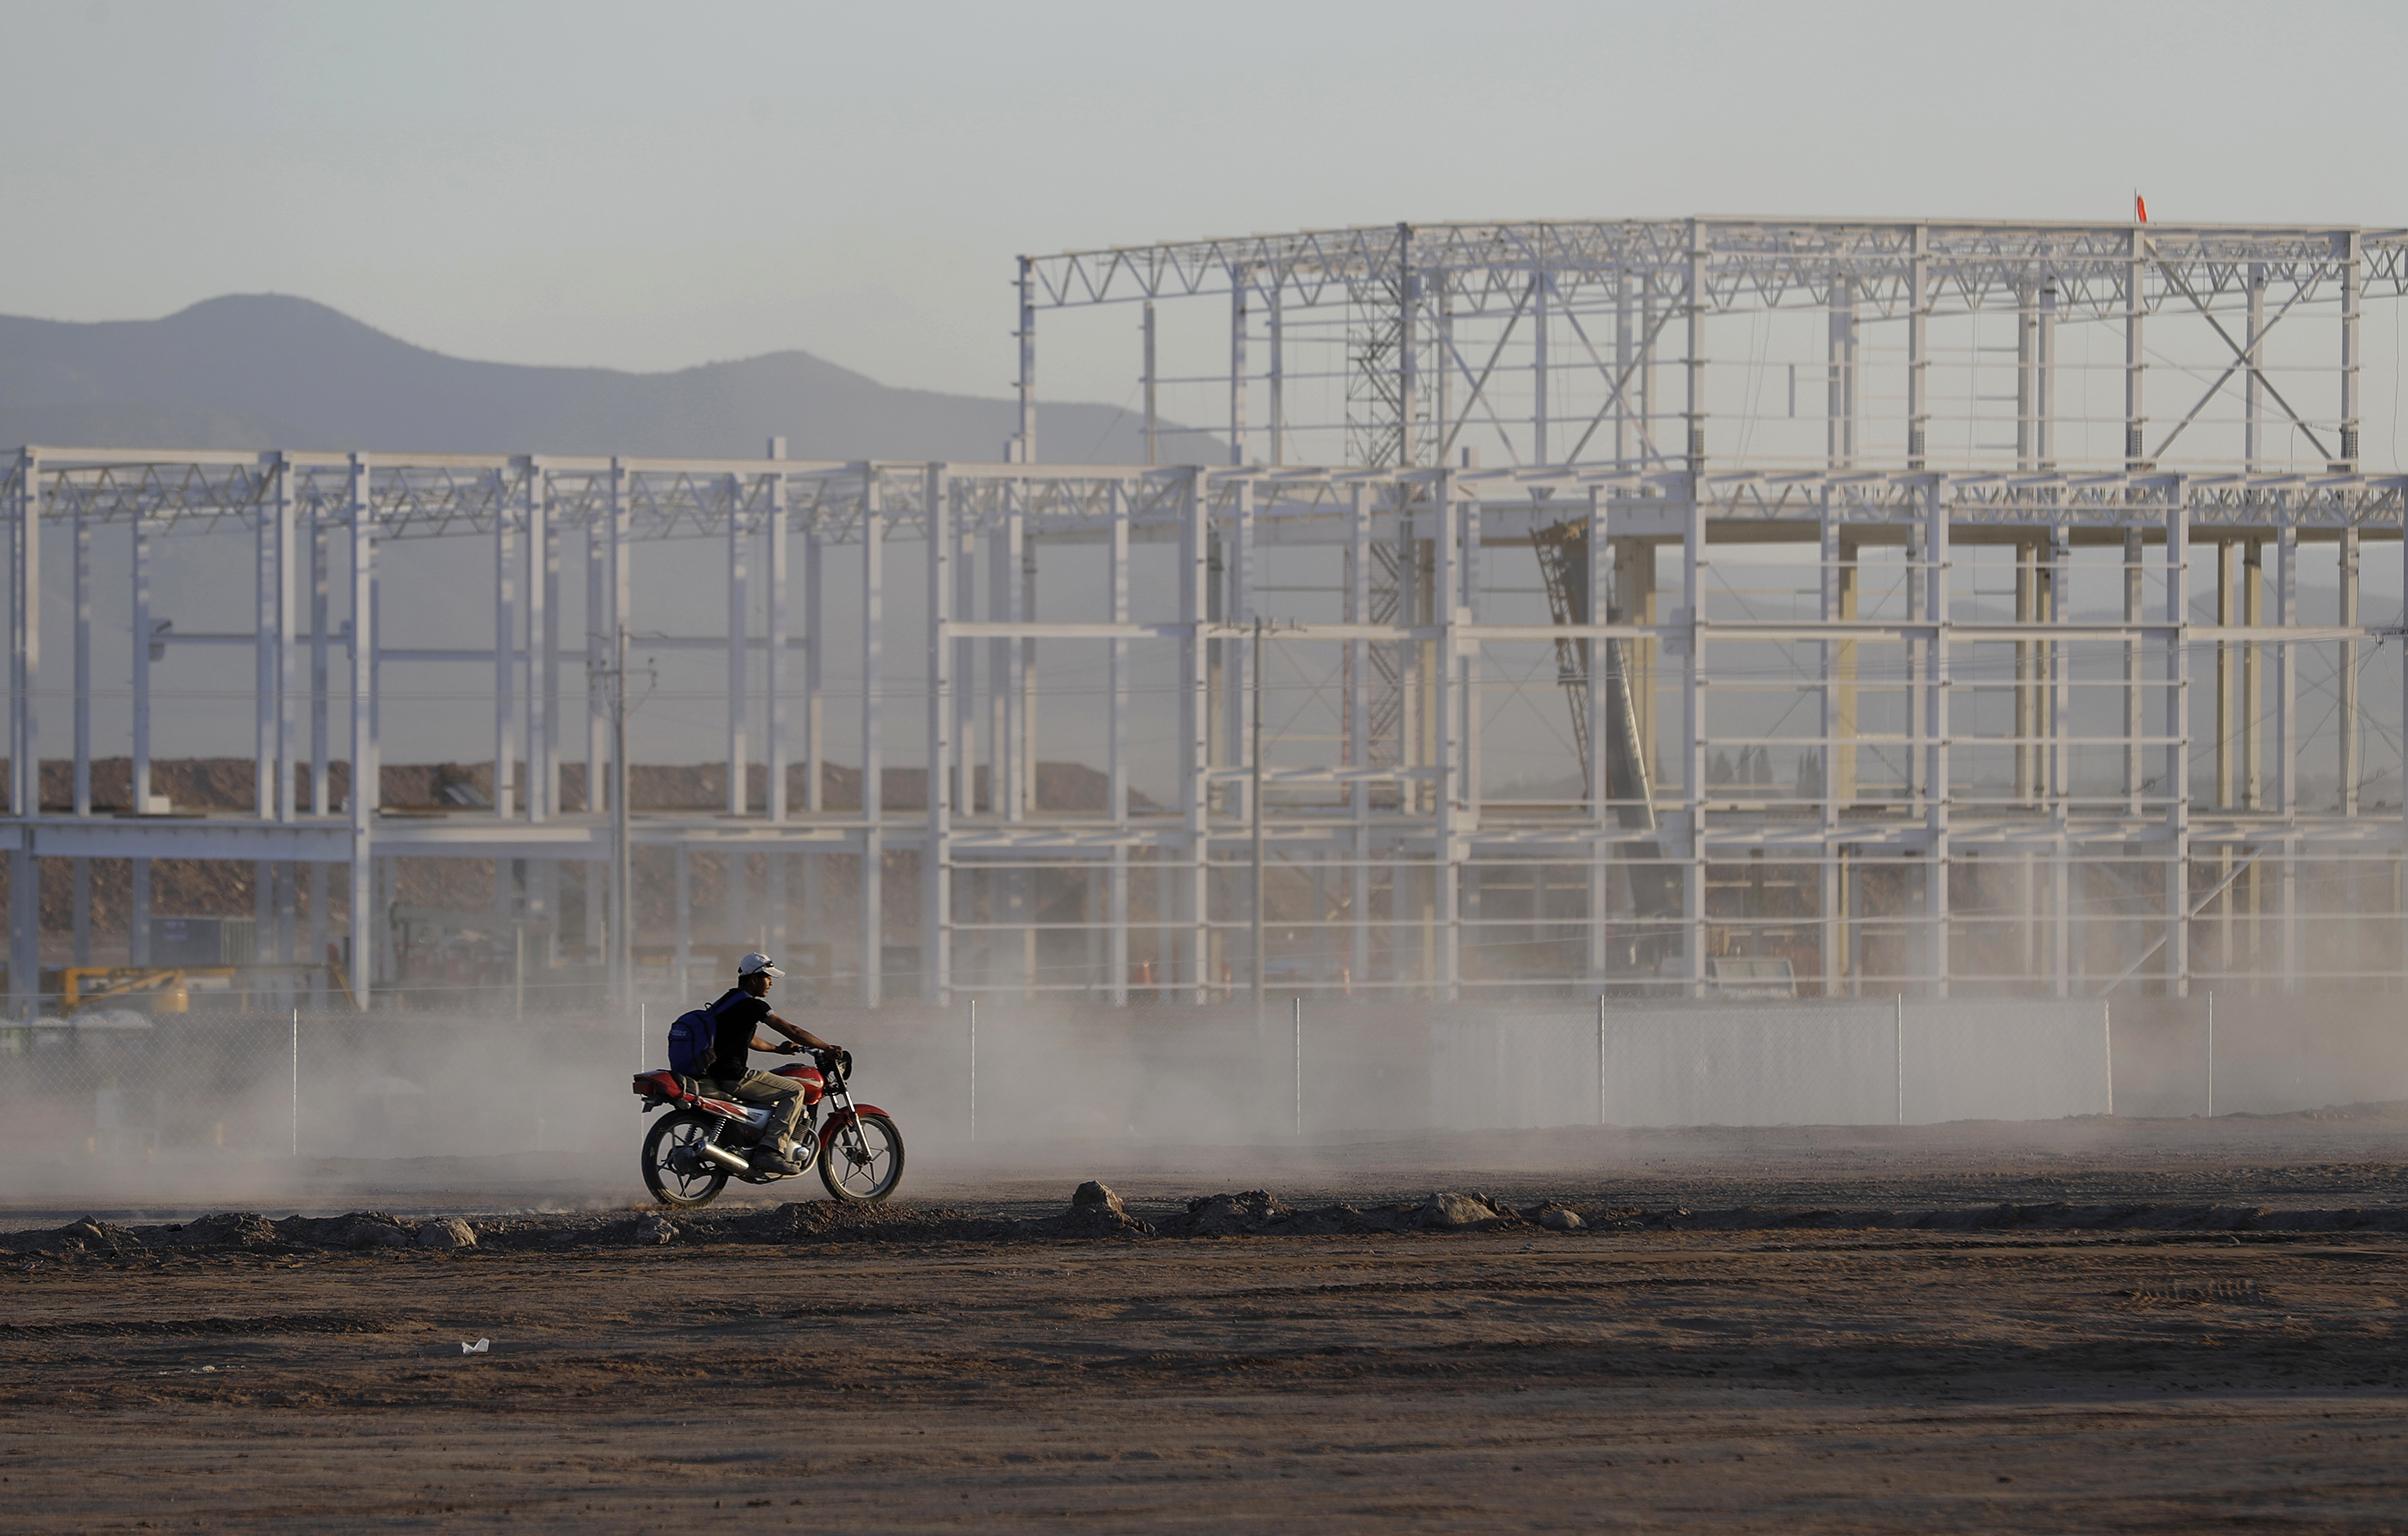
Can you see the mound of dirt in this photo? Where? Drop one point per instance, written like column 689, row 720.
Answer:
column 1095, row 1211
column 1254, row 1210
column 221, row 1229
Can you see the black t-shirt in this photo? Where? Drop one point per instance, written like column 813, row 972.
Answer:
column 740, row 1014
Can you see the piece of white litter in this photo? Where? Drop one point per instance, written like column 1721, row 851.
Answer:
column 478, row 1348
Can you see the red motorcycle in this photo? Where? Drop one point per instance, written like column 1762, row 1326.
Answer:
column 690, row 1156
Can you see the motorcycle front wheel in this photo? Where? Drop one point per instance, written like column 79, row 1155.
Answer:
column 863, row 1162
column 673, row 1170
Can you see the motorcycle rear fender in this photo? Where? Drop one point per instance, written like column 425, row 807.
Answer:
column 844, row 1117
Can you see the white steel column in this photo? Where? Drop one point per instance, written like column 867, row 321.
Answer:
column 1025, row 440
column 965, row 668
column 1005, row 549
column 1540, row 287
column 1627, row 383
column 1237, row 365
column 2044, row 376
column 1195, row 724
column 1358, row 733
column 1153, row 420
column 2135, row 366
column 1935, row 712
column 2347, row 715
column 140, row 538
column 505, row 652
column 601, row 642
column 1446, row 863
column 555, row 722
column 138, row 922
column 80, row 795
column 1689, row 633
column 1278, row 370
column 2286, row 741
column 2135, row 766
column 1833, row 931
column 2058, row 785
column 1693, row 365
column 936, row 857
column 321, row 678
column 1839, row 431
column 542, row 642
column 776, row 665
column 1918, row 347
column 365, row 756
column 1604, row 722
column 2350, row 287
column 815, row 647
column 2178, row 733
column 873, row 752
column 2253, row 389
column 1116, row 749
column 739, row 641
column 25, row 611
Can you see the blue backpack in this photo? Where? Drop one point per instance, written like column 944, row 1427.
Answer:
column 693, row 1041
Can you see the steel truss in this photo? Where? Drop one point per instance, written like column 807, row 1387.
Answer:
column 1420, row 873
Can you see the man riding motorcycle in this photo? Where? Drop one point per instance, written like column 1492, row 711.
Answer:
column 739, row 1014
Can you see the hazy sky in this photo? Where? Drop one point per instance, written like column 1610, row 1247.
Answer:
column 651, row 186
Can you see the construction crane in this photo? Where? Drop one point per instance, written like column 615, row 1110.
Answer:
column 1563, row 565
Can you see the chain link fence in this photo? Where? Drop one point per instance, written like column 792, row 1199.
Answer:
column 389, row 1085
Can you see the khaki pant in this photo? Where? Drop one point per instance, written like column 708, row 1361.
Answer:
column 782, row 1096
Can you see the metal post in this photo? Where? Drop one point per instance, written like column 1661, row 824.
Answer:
column 974, row 1069
column 1299, row 1015
column 1900, row 1019
column 296, row 1099
column 2211, row 1054
column 2107, row 1045
column 1602, row 1109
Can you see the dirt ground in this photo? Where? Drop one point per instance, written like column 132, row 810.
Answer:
column 2112, row 1328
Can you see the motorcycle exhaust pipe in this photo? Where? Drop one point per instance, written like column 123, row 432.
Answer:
column 725, row 1157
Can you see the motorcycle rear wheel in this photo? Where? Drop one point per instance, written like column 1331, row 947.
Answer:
column 684, row 1129
column 863, row 1162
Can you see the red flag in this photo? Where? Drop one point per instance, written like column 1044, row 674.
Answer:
column 2140, row 208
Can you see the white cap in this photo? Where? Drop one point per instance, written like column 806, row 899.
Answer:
column 756, row 964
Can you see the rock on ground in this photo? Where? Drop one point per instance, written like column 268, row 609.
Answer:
column 1446, row 1211
column 446, row 1232
column 1556, row 1218
column 1095, row 1211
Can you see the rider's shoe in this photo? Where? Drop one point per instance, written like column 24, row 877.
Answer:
column 776, row 1157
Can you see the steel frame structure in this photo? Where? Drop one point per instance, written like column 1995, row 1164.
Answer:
column 1421, row 875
